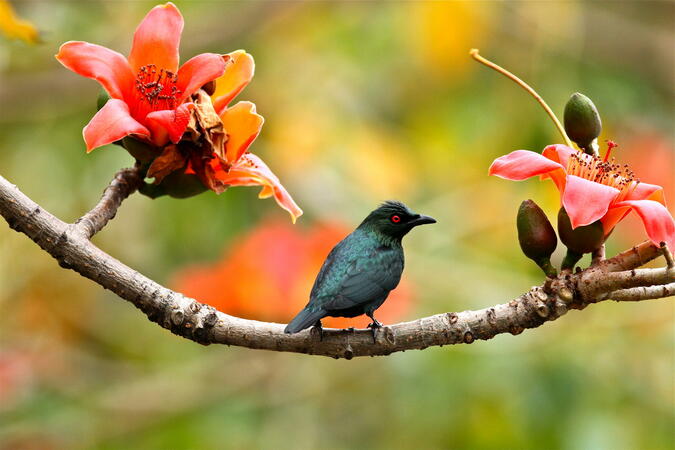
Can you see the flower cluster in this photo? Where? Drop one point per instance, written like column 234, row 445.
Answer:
column 182, row 114
column 593, row 189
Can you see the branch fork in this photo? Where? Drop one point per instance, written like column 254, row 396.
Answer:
column 618, row 278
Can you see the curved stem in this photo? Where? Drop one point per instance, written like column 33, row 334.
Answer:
column 474, row 54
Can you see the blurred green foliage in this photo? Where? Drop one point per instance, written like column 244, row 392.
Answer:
column 363, row 101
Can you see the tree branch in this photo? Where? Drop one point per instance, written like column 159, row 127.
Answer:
column 70, row 246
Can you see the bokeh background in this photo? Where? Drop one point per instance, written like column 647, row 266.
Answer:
column 364, row 101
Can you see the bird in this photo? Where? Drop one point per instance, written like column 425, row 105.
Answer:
column 361, row 270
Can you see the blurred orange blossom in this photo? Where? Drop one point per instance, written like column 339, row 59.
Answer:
column 268, row 273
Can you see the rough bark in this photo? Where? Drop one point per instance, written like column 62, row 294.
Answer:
column 69, row 244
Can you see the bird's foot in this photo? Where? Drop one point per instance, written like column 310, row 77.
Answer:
column 375, row 326
column 318, row 328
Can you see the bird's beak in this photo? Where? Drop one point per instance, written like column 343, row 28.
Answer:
column 421, row 220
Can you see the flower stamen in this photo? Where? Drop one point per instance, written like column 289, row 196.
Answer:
column 608, row 173
column 157, row 88
column 610, row 146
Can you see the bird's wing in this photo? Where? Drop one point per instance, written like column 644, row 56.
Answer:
column 334, row 268
column 369, row 278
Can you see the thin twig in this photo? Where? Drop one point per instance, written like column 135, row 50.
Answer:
column 598, row 255
column 632, row 258
column 641, row 293
column 125, row 183
column 667, row 255
column 594, row 285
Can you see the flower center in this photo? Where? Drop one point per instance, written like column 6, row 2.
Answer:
column 609, row 173
column 157, row 87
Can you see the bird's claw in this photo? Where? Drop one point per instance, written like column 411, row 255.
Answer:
column 318, row 328
column 375, row 326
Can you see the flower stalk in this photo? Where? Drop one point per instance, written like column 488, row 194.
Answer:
column 475, row 55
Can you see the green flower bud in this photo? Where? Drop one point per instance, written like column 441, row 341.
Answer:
column 585, row 239
column 536, row 236
column 143, row 152
column 177, row 184
column 582, row 239
column 582, row 121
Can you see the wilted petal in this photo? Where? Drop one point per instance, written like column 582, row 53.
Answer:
column 586, row 201
column 657, row 220
column 106, row 66
column 169, row 161
column 111, row 123
column 522, row 164
column 198, row 71
column 169, row 124
column 157, row 39
column 238, row 74
column 252, row 171
column 242, row 125
column 210, row 173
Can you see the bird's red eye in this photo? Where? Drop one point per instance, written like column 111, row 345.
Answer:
column 396, row 218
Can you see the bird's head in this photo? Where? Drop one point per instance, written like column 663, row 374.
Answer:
column 393, row 219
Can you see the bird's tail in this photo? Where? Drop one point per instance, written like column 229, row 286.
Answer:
column 304, row 319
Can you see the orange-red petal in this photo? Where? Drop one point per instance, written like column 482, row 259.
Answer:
column 111, row 123
column 656, row 218
column 522, row 164
column 169, row 124
column 642, row 191
column 586, row 201
column 252, row 171
column 559, row 153
column 198, row 71
column 106, row 66
column 238, row 74
column 645, row 191
column 614, row 215
column 242, row 125
column 157, row 38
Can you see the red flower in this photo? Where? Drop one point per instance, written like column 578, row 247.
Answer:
column 149, row 94
column 593, row 189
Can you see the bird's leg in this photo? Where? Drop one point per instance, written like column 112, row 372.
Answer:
column 374, row 326
column 318, row 328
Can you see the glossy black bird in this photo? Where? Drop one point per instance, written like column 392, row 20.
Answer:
column 362, row 269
